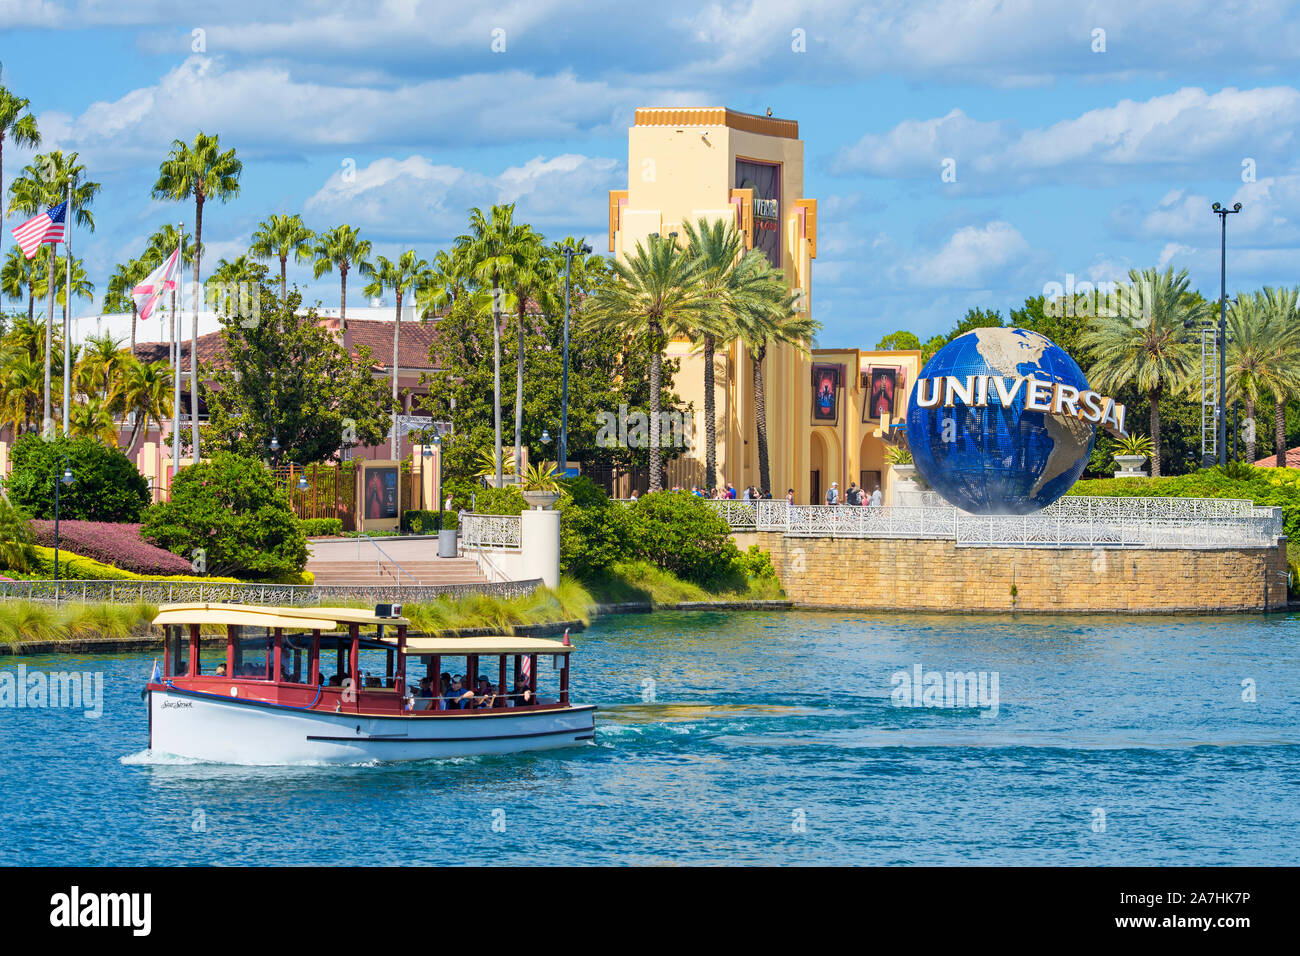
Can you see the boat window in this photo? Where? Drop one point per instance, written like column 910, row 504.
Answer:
column 253, row 650
column 178, row 639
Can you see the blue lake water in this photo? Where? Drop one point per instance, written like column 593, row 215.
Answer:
column 744, row 738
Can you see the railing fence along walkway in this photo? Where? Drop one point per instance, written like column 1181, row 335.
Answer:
column 483, row 534
column 289, row 595
column 1071, row 522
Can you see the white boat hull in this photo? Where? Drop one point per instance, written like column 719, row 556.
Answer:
column 211, row 728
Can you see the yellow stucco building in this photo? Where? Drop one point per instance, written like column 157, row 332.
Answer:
column 826, row 411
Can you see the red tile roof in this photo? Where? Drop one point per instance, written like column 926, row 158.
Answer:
column 1292, row 459
column 413, row 345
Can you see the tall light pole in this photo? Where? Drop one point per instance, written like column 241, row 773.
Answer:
column 562, row 464
column 1222, row 424
column 59, row 480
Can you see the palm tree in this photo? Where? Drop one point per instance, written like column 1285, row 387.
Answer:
column 16, row 277
column 20, row 389
column 531, row 279
column 82, row 287
column 342, row 248
column 767, row 315
column 26, row 336
column 717, row 249
column 1263, row 352
column 1281, row 376
column 405, row 275
column 279, row 238
column 234, row 284
column 19, row 125
column 494, row 248
column 449, row 278
column 45, row 182
column 144, row 391
column 1146, row 345
column 199, row 170
column 93, row 419
column 101, row 359
column 117, row 294
column 655, row 293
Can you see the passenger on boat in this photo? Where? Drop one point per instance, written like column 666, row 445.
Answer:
column 486, row 695
column 522, row 696
column 459, row 697
column 336, row 680
column 220, row 671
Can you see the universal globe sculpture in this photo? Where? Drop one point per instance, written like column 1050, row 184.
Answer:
column 998, row 459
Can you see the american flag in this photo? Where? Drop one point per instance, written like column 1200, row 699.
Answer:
column 45, row 227
column 526, row 667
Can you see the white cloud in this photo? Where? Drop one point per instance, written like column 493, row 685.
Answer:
column 266, row 106
column 1161, row 134
column 419, row 199
column 973, row 257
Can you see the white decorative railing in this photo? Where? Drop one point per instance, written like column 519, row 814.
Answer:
column 1069, row 522
column 499, row 532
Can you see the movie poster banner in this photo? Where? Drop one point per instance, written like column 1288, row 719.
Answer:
column 765, row 180
column 826, row 386
column 884, row 386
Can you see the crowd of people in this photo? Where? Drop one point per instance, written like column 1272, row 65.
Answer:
column 455, row 693
column 855, row 496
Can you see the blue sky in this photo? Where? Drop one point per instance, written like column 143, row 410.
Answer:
column 1069, row 158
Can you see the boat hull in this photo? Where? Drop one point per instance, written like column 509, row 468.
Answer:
column 203, row 727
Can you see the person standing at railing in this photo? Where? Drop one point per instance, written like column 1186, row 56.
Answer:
column 789, row 497
column 875, row 500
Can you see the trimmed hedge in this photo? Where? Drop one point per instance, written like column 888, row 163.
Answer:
column 322, row 527
column 118, row 545
column 77, row 567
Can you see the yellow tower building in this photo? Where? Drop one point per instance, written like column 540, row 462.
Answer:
column 828, row 412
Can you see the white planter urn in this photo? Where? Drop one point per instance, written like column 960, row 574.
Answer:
column 1130, row 466
column 541, row 500
column 907, row 491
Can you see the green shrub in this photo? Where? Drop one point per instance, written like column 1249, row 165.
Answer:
column 592, row 538
column 105, row 486
column 322, row 527
column 678, row 532
column 232, row 510
column 498, row 501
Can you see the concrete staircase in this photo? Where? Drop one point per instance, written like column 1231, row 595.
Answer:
column 424, row 572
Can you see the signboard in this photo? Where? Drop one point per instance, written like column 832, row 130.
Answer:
column 765, row 180
column 379, row 493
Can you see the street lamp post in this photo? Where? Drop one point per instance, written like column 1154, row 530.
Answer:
column 437, row 443
column 60, row 480
column 1222, row 424
column 563, row 462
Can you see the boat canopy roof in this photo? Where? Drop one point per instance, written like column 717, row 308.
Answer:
column 254, row 615
column 491, row 644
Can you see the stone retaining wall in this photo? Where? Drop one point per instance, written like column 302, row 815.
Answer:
column 936, row 575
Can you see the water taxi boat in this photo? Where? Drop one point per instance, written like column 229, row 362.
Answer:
column 266, row 697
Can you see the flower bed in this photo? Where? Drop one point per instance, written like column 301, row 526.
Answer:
column 119, row 545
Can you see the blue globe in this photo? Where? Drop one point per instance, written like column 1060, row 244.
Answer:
column 996, row 460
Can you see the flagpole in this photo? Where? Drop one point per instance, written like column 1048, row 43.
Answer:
column 47, row 423
column 67, row 314
column 176, row 391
